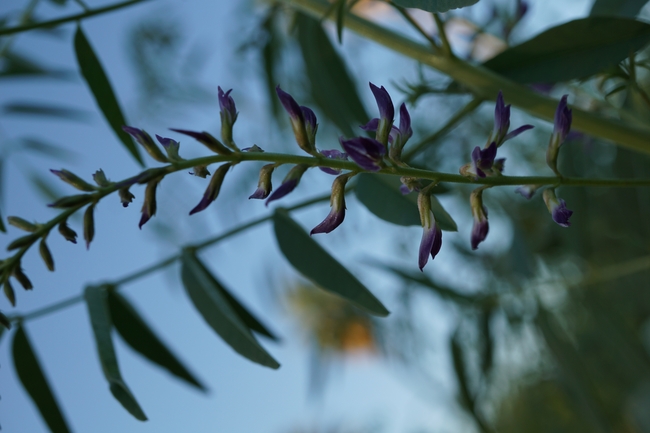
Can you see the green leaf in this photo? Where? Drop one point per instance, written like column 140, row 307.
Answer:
column 100, row 319
column 621, row 8
column 458, row 358
column 435, row 5
column 312, row 261
column 574, row 50
column 331, row 86
column 3, row 229
column 31, row 375
column 381, row 195
column 17, row 66
column 93, row 72
column 28, row 108
column 217, row 311
column 137, row 334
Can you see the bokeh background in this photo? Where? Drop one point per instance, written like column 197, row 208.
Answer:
column 542, row 329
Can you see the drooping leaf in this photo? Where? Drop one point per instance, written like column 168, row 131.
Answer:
column 39, row 146
column 486, row 334
column 30, row 373
column 458, row 358
column 94, row 74
column 574, row 50
column 35, row 109
column 312, row 261
column 100, row 318
column 621, row 8
column 381, row 195
column 331, row 86
column 217, row 311
column 3, row 229
column 436, row 5
column 137, row 334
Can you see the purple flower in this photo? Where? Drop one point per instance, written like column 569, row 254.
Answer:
column 500, row 133
column 206, row 139
column 228, row 114
column 366, row 152
column 289, row 183
column 431, row 241
column 149, row 206
column 557, row 208
column 561, row 128
column 386, row 113
column 146, row 141
column 303, row 121
column 337, row 203
column 212, row 191
column 264, row 185
column 483, row 159
column 481, row 227
column 333, row 154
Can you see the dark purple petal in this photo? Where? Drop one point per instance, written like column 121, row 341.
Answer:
column 138, row 134
column 561, row 214
column 384, row 103
column 499, row 164
column 289, row 104
column 501, row 118
column 366, row 152
column 331, row 221
column 404, row 123
column 516, row 132
column 430, row 243
column 310, row 117
column 333, row 154
column 283, row 190
column 143, row 219
column 206, row 139
column 404, row 189
column 260, row 193
column 563, row 118
column 479, row 231
column 214, row 187
column 203, row 204
column 227, row 104
column 437, row 243
column 527, row 191
column 166, row 142
column 371, row 126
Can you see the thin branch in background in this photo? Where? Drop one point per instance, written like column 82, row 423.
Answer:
column 446, row 47
column 416, row 26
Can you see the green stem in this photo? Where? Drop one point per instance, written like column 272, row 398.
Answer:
column 162, row 263
column 70, row 18
column 24, row 17
column 485, row 83
column 416, row 26
column 446, row 46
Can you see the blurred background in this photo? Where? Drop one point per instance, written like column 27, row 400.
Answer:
column 543, row 328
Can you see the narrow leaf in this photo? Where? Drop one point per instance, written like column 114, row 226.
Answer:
column 2, row 225
column 94, row 74
column 30, row 373
column 621, row 8
column 100, row 319
column 574, row 50
column 435, row 5
column 137, row 334
column 16, row 66
column 331, row 86
column 381, row 195
column 218, row 312
column 36, row 109
column 461, row 373
column 312, row 261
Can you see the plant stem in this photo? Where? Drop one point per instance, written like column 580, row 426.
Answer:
column 416, row 26
column 487, row 84
column 446, row 46
column 70, row 18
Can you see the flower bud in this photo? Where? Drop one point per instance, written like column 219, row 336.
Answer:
column 303, row 122
column 71, row 201
column 561, row 128
column 228, row 114
column 386, row 113
column 22, row 224
column 527, row 191
column 201, row 171
column 366, row 152
column 67, row 233
column 171, row 147
column 100, row 178
column 264, row 184
column 73, row 180
column 125, row 196
column 207, row 140
column 399, row 136
column 557, row 208
column 46, row 255
column 431, row 241
column 89, row 225
column 149, row 205
column 22, row 242
column 147, row 142
column 479, row 212
column 19, row 275
column 212, row 191
column 337, row 203
column 289, row 183
column 9, row 293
